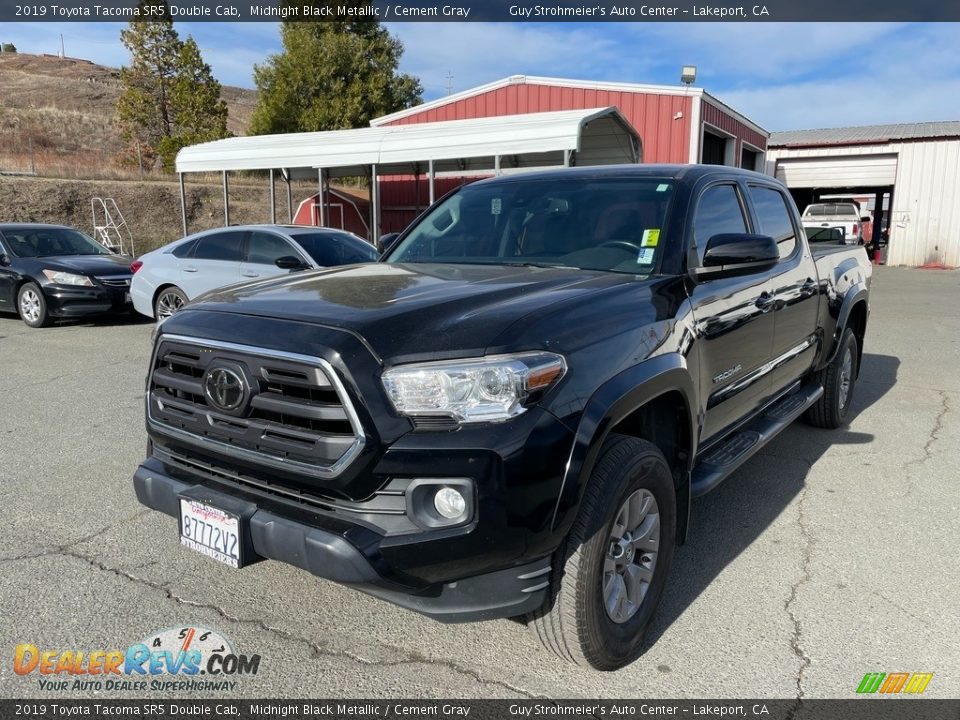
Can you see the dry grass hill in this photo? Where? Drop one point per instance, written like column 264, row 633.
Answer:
column 57, row 117
column 57, row 122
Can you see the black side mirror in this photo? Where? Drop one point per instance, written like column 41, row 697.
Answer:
column 4, row 260
column 732, row 254
column 387, row 242
column 290, row 262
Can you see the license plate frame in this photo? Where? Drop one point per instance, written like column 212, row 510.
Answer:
column 212, row 531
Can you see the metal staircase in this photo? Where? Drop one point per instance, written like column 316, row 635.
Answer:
column 109, row 226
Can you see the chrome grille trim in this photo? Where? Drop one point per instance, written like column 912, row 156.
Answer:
column 318, row 470
column 119, row 281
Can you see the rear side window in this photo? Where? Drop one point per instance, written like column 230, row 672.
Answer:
column 266, row 248
column 184, row 249
column 219, row 246
column 774, row 218
column 718, row 213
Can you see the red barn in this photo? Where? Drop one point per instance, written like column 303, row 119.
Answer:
column 344, row 210
column 676, row 125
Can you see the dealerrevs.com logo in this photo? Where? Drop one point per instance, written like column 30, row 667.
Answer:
column 185, row 658
column 894, row 683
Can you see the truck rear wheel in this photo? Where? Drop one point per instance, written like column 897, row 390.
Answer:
column 838, row 379
column 610, row 573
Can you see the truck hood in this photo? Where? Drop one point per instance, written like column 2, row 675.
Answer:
column 412, row 311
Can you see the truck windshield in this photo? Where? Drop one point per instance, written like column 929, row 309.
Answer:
column 611, row 224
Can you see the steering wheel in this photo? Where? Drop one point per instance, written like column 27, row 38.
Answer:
column 622, row 244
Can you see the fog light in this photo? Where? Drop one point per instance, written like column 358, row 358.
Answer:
column 449, row 503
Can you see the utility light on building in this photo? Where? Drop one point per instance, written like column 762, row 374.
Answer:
column 688, row 75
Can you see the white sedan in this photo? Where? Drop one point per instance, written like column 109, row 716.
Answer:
column 167, row 278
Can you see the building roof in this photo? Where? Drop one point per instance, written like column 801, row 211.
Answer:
column 865, row 134
column 566, row 82
column 598, row 135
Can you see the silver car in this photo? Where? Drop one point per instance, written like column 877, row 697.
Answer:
column 167, row 278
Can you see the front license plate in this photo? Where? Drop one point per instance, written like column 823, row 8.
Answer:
column 210, row 531
column 126, row 298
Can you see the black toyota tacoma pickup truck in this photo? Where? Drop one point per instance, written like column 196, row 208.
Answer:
column 509, row 414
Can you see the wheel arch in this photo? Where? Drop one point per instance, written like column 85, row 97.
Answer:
column 654, row 401
column 854, row 313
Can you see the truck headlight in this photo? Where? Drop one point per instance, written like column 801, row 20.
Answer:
column 64, row 278
column 475, row 390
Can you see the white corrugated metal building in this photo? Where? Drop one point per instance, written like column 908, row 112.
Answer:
column 917, row 165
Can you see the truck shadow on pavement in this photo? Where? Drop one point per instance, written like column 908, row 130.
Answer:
column 727, row 521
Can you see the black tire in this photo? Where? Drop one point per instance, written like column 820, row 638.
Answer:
column 32, row 306
column 168, row 301
column 574, row 622
column 838, row 380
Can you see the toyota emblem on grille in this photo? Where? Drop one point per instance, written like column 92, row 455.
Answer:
column 224, row 388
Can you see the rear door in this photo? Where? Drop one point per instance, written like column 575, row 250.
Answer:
column 734, row 326
column 795, row 286
column 262, row 250
column 214, row 262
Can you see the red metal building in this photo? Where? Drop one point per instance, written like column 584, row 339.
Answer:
column 676, row 125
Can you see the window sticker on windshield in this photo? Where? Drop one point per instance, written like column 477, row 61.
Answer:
column 650, row 238
column 645, row 256
column 663, row 187
column 495, row 206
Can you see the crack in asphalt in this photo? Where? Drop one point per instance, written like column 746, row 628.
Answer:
column 932, row 437
column 63, row 547
column 316, row 650
column 796, row 638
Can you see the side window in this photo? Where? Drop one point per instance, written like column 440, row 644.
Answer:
column 219, row 246
column 773, row 218
column 184, row 249
column 718, row 212
column 264, row 248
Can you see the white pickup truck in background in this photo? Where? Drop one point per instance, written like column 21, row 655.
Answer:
column 835, row 214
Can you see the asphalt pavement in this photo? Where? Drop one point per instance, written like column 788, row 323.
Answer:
column 831, row 554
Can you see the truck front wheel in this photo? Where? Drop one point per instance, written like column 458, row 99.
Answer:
column 610, row 573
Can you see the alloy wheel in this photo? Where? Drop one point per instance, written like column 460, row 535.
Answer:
column 631, row 558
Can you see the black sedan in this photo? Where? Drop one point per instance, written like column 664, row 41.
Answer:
column 52, row 271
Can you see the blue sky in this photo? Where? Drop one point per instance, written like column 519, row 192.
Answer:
column 783, row 76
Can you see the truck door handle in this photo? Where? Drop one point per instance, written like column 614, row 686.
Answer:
column 765, row 301
column 248, row 273
column 190, row 269
column 808, row 288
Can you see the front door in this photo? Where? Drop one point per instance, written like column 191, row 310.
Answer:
column 733, row 319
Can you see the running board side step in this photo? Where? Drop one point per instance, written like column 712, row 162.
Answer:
column 719, row 462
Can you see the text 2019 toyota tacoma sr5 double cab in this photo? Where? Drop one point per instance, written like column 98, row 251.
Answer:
column 509, row 413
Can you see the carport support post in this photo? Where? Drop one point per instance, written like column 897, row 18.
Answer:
column 183, row 203
column 226, row 200
column 273, row 200
column 432, row 177
column 374, row 206
column 286, row 176
column 320, row 203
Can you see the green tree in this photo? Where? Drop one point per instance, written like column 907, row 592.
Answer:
column 169, row 96
column 331, row 76
column 8, row 48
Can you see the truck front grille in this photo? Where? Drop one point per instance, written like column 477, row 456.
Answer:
column 293, row 412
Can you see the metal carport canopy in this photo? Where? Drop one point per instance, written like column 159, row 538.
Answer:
column 599, row 136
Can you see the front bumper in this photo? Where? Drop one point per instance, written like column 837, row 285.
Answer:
column 67, row 301
column 350, row 554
